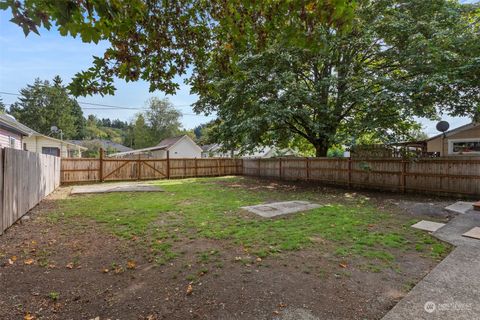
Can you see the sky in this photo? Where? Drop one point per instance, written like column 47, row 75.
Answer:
column 22, row 59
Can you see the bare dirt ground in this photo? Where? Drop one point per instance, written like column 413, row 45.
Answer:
column 51, row 270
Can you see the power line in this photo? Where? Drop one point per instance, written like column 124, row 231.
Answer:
column 106, row 106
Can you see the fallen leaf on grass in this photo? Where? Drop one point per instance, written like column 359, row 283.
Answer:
column 69, row 265
column 343, row 265
column 10, row 261
column 28, row 262
column 105, row 270
column 189, row 289
column 275, row 312
column 131, row 264
column 259, row 259
column 13, row 258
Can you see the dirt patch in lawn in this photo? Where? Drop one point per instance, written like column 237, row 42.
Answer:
column 53, row 270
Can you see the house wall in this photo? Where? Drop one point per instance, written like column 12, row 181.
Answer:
column 5, row 139
column 185, row 148
column 36, row 143
column 435, row 145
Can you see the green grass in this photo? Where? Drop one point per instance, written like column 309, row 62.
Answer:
column 205, row 208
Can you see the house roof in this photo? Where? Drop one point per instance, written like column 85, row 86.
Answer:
column 456, row 130
column 106, row 144
column 210, row 147
column 169, row 142
column 165, row 144
column 11, row 124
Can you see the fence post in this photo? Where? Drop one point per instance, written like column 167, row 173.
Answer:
column 184, row 168
column 349, row 172
column 280, row 168
column 307, row 165
column 100, row 169
column 404, row 176
column 168, row 164
column 139, row 174
column 196, row 168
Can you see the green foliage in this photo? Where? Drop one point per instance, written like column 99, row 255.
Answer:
column 142, row 137
column 43, row 105
column 397, row 61
column 2, row 106
column 157, row 40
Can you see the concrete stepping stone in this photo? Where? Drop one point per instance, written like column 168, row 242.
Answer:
column 473, row 233
column 428, row 225
column 280, row 208
column 476, row 206
column 460, row 207
column 115, row 187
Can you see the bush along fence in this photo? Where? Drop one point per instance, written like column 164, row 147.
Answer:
column 76, row 170
column 25, row 178
column 440, row 176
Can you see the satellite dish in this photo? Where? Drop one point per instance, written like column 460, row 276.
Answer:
column 443, row 126
column 55, row 129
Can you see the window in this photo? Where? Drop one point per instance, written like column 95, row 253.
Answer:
column 464, row 146
column 51, row 151
column 12, row 142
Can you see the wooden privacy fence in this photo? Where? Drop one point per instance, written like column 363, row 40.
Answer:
column 25, row 178
column 74, row 170
column 436, row 175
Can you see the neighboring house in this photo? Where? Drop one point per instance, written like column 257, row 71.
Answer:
column 214, row 151
column 107, row 145
column 15, row 135
column 464, row 141
column 40, row 143
column 270, row 152
column 176, row 147
column 12, row 132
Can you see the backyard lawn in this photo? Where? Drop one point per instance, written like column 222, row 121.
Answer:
column 192, row 252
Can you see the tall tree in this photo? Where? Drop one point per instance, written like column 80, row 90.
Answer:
column 141, row 133
column 158, row 40
column 162, row 118
column 2, row 106
column 399, row 60
column 43, row 105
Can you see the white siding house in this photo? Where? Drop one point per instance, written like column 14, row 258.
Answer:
column 12, row 132
column 176, row 147
column 39, row 143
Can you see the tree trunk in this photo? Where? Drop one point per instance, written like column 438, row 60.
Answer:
column 321, row 148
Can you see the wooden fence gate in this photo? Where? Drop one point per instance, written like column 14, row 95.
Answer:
column 75, row 170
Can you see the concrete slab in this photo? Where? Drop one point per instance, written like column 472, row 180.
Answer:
column 452, row 232
column 270, row 210
column 473, row 233
column 450, row 291
column 428, row 225
column 460, row 207
column 115, row 187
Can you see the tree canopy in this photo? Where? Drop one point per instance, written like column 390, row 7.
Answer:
column 158, row 40
column 44, row 104
column 399, row 60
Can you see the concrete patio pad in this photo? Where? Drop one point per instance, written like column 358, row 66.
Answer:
column 115, row 187
column 474, row 233
column 450, row 290
column 460, row 207
column 428, row 225
column 269, row 210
